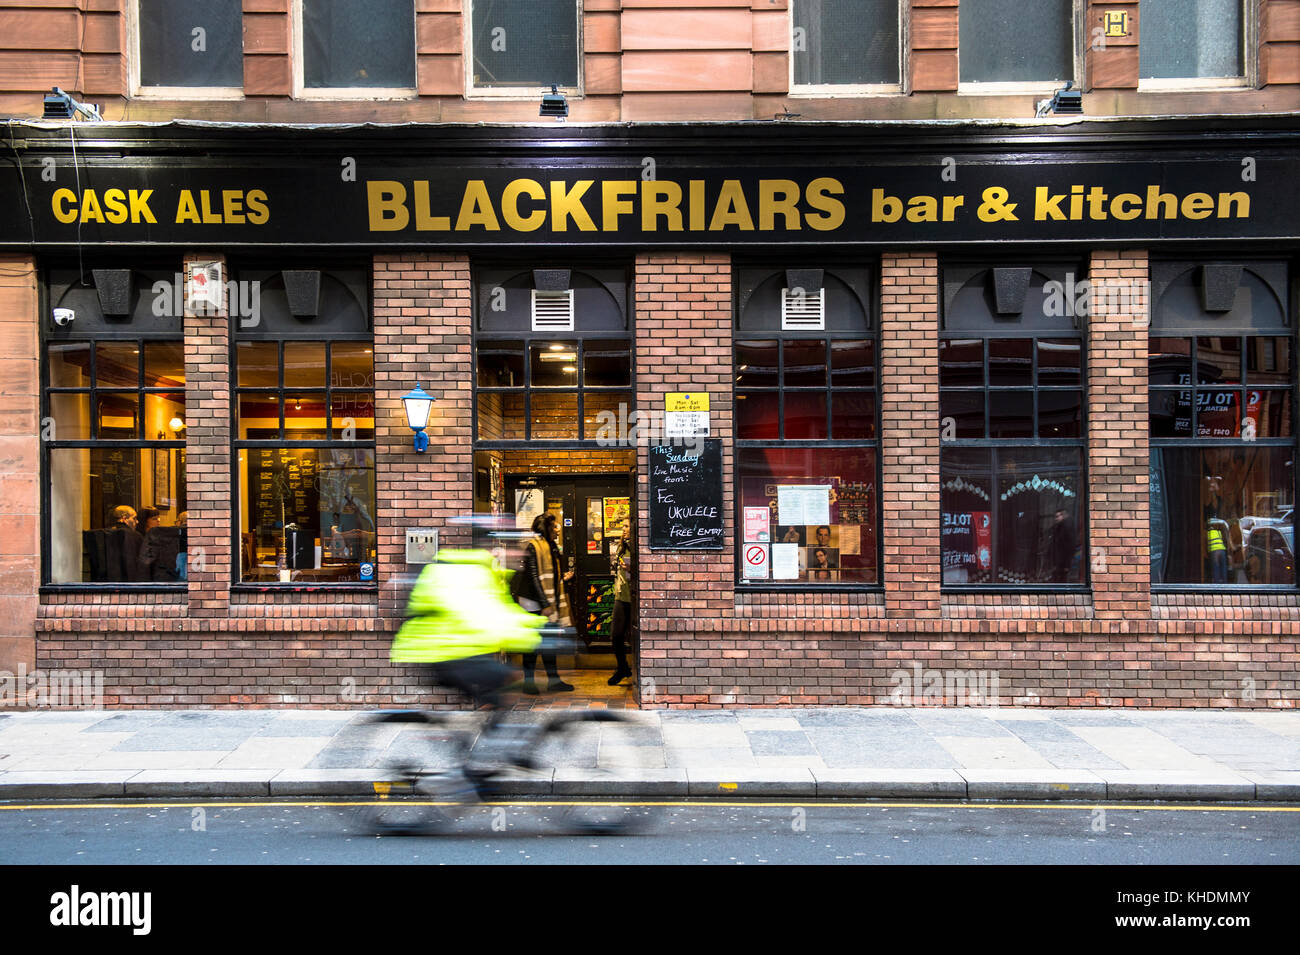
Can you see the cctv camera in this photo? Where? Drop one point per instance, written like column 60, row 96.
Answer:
column 64, row 316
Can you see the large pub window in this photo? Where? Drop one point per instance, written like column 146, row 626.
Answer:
column 113, row 429
column 553, row 358
column 806, row 428
column 304, row 415
column 1222, row 408
column 1011, row 379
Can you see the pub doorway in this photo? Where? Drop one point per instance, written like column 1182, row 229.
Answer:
column 593, row 509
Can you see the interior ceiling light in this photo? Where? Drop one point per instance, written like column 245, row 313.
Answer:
column 559, row 356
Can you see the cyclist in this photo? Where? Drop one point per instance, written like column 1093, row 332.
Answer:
column 459, row 617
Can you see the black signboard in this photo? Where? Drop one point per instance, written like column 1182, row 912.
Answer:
column 686, row 497
column 815, row 184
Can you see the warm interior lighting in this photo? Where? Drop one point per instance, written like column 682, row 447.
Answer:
column 559, row 356
column 176, row 424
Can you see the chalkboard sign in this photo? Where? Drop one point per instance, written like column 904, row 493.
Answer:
column 686, row 497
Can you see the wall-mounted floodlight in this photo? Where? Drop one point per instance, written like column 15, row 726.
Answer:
column 1064, row 101
column 554, row 104
column 59, row 105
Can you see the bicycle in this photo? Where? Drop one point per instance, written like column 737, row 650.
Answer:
column 477, row 764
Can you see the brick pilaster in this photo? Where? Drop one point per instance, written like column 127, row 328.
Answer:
column 683, row 343
column 1118, row 450
column 207, row 457
column 423, row 316
column 909, row 432
column 19, row 461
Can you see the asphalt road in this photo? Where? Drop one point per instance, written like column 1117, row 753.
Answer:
column 691, row 832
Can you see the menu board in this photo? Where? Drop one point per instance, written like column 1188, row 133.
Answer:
column 284, row 478
column 686, row 497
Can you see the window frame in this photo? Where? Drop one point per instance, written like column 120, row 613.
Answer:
column 872, row 334
column 1192, row 442
column 301, row 91
column 859, row 90
column 533, row 93
column 1078, row 45
column 45, row 585
column 140, row 91
column 997, row 445
column 1248, row 79
column 238, row 445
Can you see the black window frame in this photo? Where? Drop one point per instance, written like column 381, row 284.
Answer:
column 122, row 336
column 871, row 334
column 253, row 336
column 1289, row 331
column 997, row 445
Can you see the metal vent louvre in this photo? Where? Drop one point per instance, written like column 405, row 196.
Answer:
column 803, row 312
column 553, row 311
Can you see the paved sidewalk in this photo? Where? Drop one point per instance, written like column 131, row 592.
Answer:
column 877, row 752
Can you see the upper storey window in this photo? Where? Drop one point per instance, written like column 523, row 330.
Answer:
column 1186, row 42
column 845, row 44
column 356, row 47
column 189, row 44
column 521, row 47
column 1013, row 43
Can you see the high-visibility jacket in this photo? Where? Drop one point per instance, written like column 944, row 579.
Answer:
column 461, row 607
column 1214, row 538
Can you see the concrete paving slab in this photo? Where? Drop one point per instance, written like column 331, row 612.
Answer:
column 1141, row 748
column 640, row 782
column 1033, row 784
column 155, row 740
column 1012, row 715
column 996, row 753
column 789, row 762
column 64, row 785
column 710, row 735
column 264, row 752
column 1276, row 785
column 201, row 782
column 883, row 783
column 741, row 782
column 186, row 759
column 687, row 757
column 288, row 728
column 750, row 722
column 779, row 743
column 1176, row 784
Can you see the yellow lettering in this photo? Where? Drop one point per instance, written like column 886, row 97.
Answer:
column 476, row 208
column 1121, row 206
column 205, row 203
column 950, row 206
column 115, row 203
column 661, row 199
column 1240, row 199
column 697, row 205
column 259, row 213
column 140, row 211
column 819, row 197
column 1197, row 205
column 510, row 205
column 424, row 222
column 232, row 205
column 731, row 208
column 90, row 211
column 612, row 201
column 58, row 203
column 387, row 205
column 567, row 203
column 778, row 197
column 186, row 210
column 923, row 209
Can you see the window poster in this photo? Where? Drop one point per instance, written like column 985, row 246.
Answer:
column 595, row 524
column 785, row 561
column 617, row 511
column 803, row 504
column 757, row 520
column 529, row 503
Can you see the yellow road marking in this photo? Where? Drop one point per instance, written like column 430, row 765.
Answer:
column 693, row 804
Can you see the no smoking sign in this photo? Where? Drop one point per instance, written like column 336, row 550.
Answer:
column 756, row 561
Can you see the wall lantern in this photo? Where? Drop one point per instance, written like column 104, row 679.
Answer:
column 418, row 405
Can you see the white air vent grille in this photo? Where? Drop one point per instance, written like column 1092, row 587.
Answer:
column 803, row 311
column 553, row 311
